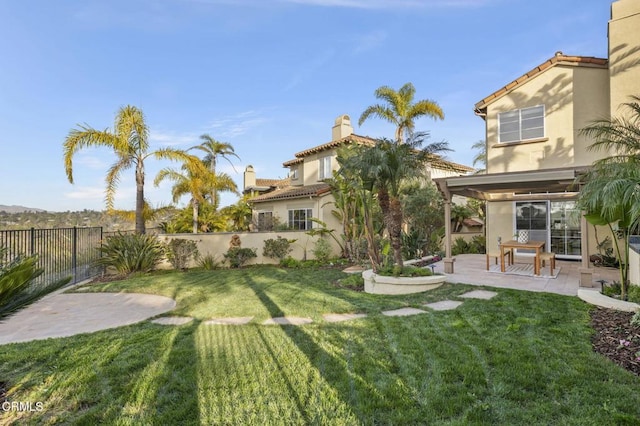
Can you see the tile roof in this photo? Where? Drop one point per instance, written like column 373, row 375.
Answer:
column 558, row 58
column 435, row 161
column 470, row 223
column 278, row 183
column 293, row 192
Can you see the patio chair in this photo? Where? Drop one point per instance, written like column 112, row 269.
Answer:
column 548, row 257
column 496, row 256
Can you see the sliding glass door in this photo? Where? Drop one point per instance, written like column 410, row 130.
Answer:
column 565, row 229
column 557, row 223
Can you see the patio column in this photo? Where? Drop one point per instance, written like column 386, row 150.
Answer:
column 448, row 260
column 586, row 273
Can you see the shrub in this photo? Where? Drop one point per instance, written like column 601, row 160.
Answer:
column 478, row 244
column 180, row 252
column 322, row 250
column 635, row 319
column 16, row 278
column 277, row 248
column 633, row 293
column 129, row 253
column 612, row 290
column 290, row 262
column 406, row 271
column 238, row 256
column 209, row 262
column 459, row 246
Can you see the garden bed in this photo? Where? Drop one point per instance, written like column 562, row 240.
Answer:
column 616, row 338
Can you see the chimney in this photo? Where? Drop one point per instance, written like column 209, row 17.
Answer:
column 342, row 128
column 249, row 177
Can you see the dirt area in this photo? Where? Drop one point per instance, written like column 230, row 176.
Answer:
column 616, row 338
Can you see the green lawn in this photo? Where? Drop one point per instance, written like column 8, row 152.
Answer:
column 520, row 358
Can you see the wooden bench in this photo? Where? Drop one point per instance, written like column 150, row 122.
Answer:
column 496, row 256
column 548, row 257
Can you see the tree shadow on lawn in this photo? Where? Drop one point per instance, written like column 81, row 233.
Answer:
column 363, row 398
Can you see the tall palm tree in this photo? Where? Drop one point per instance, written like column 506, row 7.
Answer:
column 400, row 109
column 611, row 189
column 197, row 180
column 129, row 141
column 383, row 168
column 214, row 149
column 481, row 155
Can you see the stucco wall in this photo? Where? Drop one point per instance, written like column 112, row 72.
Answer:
column 217, row 244
column 311, row 165
column 556, row 89
column 321, row 207
column 624, row 52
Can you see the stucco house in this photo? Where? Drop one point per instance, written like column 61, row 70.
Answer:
column 307, row 195
column 534, row 146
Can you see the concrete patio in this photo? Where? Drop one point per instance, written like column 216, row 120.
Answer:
column 472, row 269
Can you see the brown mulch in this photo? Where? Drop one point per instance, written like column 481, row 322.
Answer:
column 616, row 338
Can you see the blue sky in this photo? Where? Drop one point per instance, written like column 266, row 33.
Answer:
column 267, row 76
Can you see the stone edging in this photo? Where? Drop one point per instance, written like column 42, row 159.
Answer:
column 594, row 297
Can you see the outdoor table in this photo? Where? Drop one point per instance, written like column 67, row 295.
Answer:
column 513, row 244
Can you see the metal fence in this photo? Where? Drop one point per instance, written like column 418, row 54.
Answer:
column 62, row 253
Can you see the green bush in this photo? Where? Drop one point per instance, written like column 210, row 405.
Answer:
column 612, row 290
column 405, row 271
column 635, row 319
column 277, row 248
column 180, row 252
column 633, row 293
column 290, row 262
column 459, row 246
column 478, row 244
column 208, row 262
column 129, row 253
column 322, row 250
column 238, row 256
column 16, row 277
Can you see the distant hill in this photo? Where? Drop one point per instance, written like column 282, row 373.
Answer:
column 19, row 209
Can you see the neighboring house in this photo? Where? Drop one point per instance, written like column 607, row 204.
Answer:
column 534, row 146
column 308, row 195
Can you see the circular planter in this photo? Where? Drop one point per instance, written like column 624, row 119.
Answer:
column 381, row 284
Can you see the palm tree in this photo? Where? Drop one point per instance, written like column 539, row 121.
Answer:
column 214, row 149
column 400, row 109
column 240, row 214
column 129, row 141
column 196, row 180
column 610, row 191
column 383, row 168
column 481, row 155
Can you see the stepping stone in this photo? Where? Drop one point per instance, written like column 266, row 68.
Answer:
column 403, row 312
column 353, row 270
column 288, row 321
column 342, row 317
column 479, row 294
column 172, row 320
column 444, row 305
column 229, row 321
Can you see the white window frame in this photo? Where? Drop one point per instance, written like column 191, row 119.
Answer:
column 324, row 168
column 299, row 223
column 520, row 123
column 294, row 173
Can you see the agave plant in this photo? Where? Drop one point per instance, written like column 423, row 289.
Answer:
column 128, row 253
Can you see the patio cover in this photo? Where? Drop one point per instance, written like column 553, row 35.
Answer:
column 549, row 184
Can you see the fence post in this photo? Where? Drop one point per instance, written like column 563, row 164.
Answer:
column 74, row 256
column 32, row 241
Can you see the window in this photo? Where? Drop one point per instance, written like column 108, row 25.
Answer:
column 521, row 124
column 300, row 219
column 324, row 168
column 294, row 173
column 265, row 221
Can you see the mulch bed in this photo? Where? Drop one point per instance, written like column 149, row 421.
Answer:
column 616, row 338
